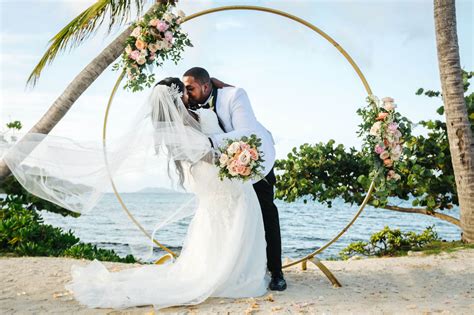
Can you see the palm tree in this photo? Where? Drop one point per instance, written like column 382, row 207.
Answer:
column 460, row 137
column 72, row 35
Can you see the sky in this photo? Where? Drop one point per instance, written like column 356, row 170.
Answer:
column 301, row 88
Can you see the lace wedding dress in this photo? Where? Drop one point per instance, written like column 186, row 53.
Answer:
column 223, row 253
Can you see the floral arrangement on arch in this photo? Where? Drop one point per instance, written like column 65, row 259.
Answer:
column 383, row 130
column 156, row 37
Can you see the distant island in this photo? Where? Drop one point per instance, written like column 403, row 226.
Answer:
column 158, row 190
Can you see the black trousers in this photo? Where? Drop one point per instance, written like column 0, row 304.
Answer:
column 271, row 222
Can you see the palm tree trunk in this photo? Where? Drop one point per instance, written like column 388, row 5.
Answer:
column 460, row 137
column 75, row 89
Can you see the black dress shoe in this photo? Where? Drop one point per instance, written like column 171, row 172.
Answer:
column 277, row 283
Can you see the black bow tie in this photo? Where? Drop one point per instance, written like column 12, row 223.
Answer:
column 208, row 104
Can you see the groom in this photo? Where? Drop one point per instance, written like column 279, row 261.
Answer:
column 237, row 119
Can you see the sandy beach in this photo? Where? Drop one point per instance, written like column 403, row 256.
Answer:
column 416, row 284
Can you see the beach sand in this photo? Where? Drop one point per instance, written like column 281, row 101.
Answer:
column 435, row 284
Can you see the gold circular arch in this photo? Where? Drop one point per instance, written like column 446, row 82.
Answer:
column 310, row 257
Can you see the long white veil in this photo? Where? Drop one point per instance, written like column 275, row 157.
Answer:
column 74, row 175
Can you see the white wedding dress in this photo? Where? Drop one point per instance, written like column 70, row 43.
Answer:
column 223, row 254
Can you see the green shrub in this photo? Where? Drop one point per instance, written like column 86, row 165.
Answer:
column 23, row 233
column 389, row 242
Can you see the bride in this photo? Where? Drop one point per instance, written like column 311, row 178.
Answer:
column 223, row 254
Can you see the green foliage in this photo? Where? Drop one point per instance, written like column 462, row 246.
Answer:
column 324, row 172
column 14, row 125
column 89, row 251
column 116, row 12
column 23, row 233
column 388, row 242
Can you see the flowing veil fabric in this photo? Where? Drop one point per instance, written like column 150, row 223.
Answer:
column 73, row 174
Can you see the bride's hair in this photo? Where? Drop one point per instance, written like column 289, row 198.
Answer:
column 170, row 81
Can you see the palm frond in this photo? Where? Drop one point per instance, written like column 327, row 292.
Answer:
column 83, row 26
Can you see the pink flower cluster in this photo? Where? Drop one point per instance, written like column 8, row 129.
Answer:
column 387, row 135
column 239, row 159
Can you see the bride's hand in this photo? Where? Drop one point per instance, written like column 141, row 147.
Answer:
column 219, row 84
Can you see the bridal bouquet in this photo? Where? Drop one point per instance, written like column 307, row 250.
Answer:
column 241, row 159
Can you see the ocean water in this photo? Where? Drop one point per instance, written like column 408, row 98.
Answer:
column 304, row 227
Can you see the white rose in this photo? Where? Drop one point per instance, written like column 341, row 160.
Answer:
column 167, row 45
column 128, row 49
column 141, row 60
column 396, row 152
column 136, row 31
column 395, row 156
column 375, row 130
column 244, row 158
column 231, row 170
column 158, row 45
column 181, row 13
column 384, row 155
column 143, row 52
column 224, row 158
column 389, row 106
column 168, row 17
column 233, row 148
column 153, row 47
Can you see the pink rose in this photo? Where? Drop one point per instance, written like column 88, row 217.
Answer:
column 152, row 56
column 244, row 146
column 392, row 127
column 162, row 26
column 241, row 169
column 169, row 36
column 253, row 154
column 388, row 100
column 379, row 149
column 246, row 172
column 134, row 54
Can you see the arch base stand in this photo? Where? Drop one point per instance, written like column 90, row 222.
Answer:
column 323, row 268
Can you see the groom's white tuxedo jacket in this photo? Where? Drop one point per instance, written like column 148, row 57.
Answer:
column 238, row 119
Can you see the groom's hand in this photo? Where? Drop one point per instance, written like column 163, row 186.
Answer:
column 219, row 84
